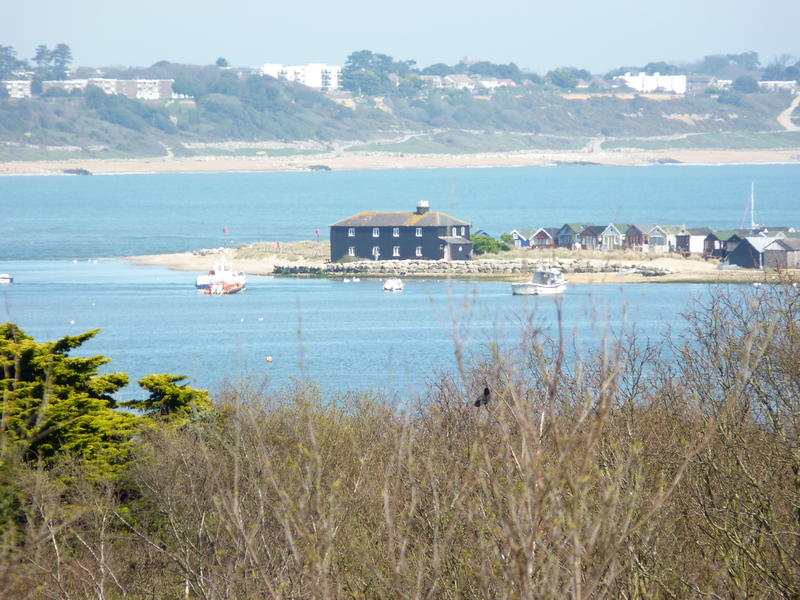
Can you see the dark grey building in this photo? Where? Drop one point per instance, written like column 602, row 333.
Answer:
column 401, row 236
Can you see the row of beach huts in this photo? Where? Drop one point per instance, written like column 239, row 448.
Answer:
column 758, row 247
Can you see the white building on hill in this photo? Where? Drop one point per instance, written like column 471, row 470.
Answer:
column 322, row 77
column 17, row 88
column 656, row 82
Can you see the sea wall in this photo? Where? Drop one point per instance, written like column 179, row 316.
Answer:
column 484, row 267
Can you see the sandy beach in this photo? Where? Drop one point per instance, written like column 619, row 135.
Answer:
column 382, row 160
column 689, row 270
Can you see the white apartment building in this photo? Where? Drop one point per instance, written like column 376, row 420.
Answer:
column 136, row 89
column 17, row 88
column 656, row 82
column 322, row 77
column 774, row 86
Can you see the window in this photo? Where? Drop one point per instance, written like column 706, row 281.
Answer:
column 376, row 232
column 419, row 251
column 463, row 231
column 418, row 232
column 351, row 251
column 395, row 232
column 351, row 232
column 455, row 231
column 376, row 251
column 395, row 250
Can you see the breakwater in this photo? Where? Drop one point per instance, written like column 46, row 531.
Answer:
column 485, row 267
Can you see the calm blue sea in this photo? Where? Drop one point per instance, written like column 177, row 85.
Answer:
column 345, row 336
column 122, row 215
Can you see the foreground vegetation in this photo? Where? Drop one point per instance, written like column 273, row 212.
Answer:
column 663, row 469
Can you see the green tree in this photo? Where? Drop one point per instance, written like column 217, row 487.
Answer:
column 9, row 62
column 170, row 402
column 485, row 244
column 55, row 405
column 43, row 58
column 563, row 77
column 746, row 85
column 439, row 69
column 61, row 57
column 221, row 62
column 746, row 60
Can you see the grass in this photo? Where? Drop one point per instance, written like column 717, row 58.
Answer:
column 725, row 141
column 243, row 152
column 461, row 142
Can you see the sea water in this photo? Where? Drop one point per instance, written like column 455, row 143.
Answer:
column 344, row 336
column 123, row 215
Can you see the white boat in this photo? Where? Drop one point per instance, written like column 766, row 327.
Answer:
column 393, row 285
column 545, row 281
column 5, row 278
column 222, row 279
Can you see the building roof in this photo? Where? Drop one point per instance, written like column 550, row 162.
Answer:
column 399, row 219
column 643, row 227
column 526, row 233
column 550, row 232
column 724, row 236
column 455, row 240
column 695, row 231
column 595, row 230
column 759, row 243
column 791, row 244
column 575, row 227
column 621, row 228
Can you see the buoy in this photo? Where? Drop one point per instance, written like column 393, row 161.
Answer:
column 269, row 359
column 72, row 321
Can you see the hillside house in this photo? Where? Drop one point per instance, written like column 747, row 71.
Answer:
column 749, row 253
column 591, row 237
column 783, row 253
column 613, row 236
column 522, row 237
column 637, row 237
column 719, row 244
column 568, row 235
column 544, row 238
column 691, row 240
column 401, row 236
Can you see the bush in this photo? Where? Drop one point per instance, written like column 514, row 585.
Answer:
column 484, row 244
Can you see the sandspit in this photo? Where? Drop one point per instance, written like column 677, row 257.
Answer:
column 383, row 160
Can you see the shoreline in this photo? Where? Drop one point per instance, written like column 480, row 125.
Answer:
column 354, row 161
column 683, row 270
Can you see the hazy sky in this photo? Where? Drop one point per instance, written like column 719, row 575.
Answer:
column 597, row 35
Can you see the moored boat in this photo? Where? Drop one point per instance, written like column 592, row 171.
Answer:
column 545, row 281
column 5, row 278
column 222, row 279
column 393, row 285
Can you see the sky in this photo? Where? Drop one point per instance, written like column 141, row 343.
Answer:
column 597, row 35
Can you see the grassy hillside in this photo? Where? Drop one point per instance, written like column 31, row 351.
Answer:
column 259, row 109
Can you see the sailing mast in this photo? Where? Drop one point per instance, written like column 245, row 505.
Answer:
column 752, row 207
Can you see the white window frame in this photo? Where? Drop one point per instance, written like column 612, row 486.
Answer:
column 376, row 232
column 418, row 232
column 376, row 251
column 455, row 231
column 351, row 232
column 418, row 251
column 351, row 251
column 395, row 250
column 395, row 232
column 463, row 231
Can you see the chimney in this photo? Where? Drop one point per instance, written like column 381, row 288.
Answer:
column 422, row 207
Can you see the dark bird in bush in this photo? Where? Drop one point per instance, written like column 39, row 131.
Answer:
column 483, row 399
